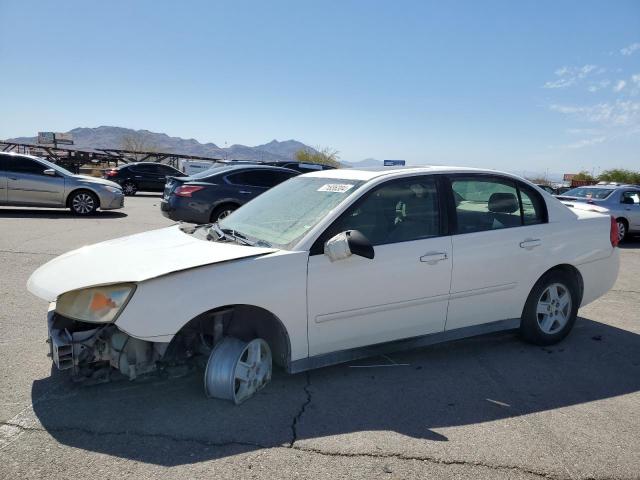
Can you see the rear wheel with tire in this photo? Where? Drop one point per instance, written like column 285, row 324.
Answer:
column 551, row 308
column 83, row 203
column 129, row 188
column 237, row 370
column 623, row 229
column 222, row 211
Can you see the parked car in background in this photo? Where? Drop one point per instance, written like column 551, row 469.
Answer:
column 302, row 167
column 562, row 190
column 211, row 195
column 618, row 200
column 29, row 181
column 547, row 188
column 325, row 268
column 141, row 176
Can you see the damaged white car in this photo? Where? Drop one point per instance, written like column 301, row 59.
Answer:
column 325, row 268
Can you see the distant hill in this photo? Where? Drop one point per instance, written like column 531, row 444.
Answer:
column 114, row 137
column 366, row 163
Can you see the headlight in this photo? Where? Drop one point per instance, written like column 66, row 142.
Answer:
column 97, row 304
column 113, row 189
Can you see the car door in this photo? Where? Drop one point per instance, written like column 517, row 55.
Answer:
column 632, row 210
column 27, row 183
column 403, row 291
column 498, row 245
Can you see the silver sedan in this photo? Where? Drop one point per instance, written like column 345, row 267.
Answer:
column 620, row 201
column 29, row 181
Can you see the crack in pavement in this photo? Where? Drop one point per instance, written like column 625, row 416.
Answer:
column 313, row 451
column 87, row 431
column 296, row 419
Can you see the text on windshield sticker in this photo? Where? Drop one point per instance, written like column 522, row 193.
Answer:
column 335, row 187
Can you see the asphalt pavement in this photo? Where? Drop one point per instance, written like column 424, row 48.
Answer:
column 489, row 407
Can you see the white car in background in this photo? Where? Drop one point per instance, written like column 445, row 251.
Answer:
column 325, row 268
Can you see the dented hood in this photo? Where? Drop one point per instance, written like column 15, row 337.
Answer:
column 132, row 259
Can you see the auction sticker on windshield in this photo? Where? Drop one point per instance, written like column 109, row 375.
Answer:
column 335, row 187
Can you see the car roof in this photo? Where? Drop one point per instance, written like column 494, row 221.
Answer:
column 367, row 174
column 609, row 187
column 131, row 164
column 226, row 169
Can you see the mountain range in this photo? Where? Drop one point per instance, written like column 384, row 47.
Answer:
column 124, row 138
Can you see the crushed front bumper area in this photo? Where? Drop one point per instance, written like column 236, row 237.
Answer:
column 94, row 353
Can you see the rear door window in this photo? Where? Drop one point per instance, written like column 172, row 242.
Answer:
column 632, row 196
column 256, row 178
column 24, row 165
column 488, row 203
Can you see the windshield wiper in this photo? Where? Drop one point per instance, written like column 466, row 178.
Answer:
column 237, row 236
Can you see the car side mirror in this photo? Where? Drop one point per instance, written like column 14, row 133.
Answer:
column 628, row 201
column 345, row 244
column 50, row 171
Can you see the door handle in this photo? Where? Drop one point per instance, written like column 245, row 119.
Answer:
column 245, row 192
column 530, row 243
column 13, row 178
column 433, row 257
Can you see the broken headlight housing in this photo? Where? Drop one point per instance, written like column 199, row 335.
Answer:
column 96, row 304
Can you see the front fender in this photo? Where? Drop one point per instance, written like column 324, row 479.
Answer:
column 276, row 282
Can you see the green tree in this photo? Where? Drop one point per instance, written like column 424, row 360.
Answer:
column 322, row 156
column 620, row 175
column 584, row 176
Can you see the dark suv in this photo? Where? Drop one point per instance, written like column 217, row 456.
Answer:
column 213, row 194
column 145, row 176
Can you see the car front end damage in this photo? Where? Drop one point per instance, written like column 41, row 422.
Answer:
column 95, row 353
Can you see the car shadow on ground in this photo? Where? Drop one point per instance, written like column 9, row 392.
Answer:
column 146, row 195
column 632, row 242
column 484, row 379
column 51, row 213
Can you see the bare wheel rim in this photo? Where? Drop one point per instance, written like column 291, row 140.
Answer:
column 83, row 203
column 237, row 370
column 554, row 308
column 224, row 213
column 622, row 230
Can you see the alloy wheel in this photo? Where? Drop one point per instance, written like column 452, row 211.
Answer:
column 622, row 230
column 83, row 203
column 237, row 370
column 224, row 213
column 554, row 308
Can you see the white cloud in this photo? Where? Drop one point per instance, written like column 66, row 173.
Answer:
column 594, row 87
column 635, row 78
column 630, row 49
column 617, row 114
column 570, row 75
column 587, row 142
column 619, row 86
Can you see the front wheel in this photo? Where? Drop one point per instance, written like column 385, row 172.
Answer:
column 551, row 309
column 237, row 370
column 83, row 203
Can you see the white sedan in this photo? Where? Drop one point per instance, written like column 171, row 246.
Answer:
column 325, row 268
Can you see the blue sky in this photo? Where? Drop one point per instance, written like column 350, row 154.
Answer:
column 511, row 85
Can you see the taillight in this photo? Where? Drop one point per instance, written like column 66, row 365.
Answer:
column 111, row 173
column 186, row 190
column 614, row 232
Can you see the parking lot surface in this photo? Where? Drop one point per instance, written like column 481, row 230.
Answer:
column 488, row 407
